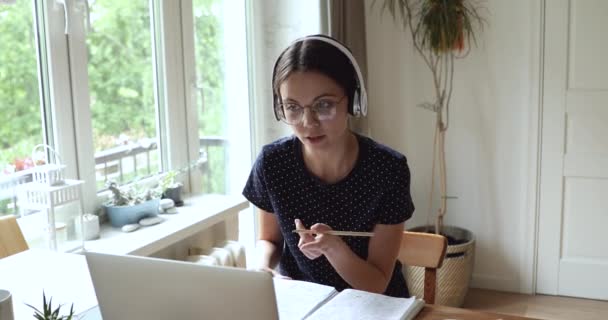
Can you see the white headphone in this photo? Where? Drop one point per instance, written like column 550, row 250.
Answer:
column 359, row 103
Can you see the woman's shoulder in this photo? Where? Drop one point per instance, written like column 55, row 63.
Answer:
column 387, row 163
column 383, row 153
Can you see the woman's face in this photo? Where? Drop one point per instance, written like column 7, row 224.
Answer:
column 322, row 129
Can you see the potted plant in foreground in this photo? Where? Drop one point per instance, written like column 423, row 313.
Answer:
column 47, row 312
column 441, row 32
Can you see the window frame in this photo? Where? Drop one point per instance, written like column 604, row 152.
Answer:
column 65, row 96
column 169, row 97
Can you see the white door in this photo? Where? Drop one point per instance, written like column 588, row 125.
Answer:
column 573, row 221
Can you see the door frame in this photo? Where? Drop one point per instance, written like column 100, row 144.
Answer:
column 552, row 147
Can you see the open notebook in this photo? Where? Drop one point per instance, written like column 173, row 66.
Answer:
column 307, row 300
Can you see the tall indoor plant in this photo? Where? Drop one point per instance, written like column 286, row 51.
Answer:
column 441, row 32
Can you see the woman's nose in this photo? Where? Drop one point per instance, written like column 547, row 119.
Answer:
column 309, row 118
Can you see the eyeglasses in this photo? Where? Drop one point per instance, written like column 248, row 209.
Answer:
column 324, row 108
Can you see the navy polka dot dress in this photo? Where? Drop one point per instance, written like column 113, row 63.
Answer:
column 376, row 191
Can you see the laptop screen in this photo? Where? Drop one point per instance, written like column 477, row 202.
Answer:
column 130, row 287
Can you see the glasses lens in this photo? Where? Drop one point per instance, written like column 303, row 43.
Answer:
column 292, row 114
column 325, row 109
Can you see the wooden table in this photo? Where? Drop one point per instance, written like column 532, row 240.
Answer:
column 65, row 277
column 436, row 312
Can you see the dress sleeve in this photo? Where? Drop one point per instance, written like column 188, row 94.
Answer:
column 256, row 190
column 397, row 205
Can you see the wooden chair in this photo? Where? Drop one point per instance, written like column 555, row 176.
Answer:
column 11, row 238
column 424, row 250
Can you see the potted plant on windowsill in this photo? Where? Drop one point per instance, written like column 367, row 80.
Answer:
column 171, row 188
column 441, row 32
column 128, row 206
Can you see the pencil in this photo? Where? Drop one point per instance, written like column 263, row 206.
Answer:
column 337, row 233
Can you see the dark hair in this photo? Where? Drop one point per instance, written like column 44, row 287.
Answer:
column 315, row 55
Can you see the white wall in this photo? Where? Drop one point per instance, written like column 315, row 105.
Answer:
column 491, row 143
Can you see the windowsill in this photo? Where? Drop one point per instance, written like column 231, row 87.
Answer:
column 197, row 214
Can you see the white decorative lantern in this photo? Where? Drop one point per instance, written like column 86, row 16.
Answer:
column 51, row 174
column 47, row 193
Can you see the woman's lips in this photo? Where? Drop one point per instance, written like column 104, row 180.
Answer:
column 315, row 139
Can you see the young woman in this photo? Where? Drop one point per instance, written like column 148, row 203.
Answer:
column 325, row 177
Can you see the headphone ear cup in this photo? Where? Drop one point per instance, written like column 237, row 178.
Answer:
column 356, row 105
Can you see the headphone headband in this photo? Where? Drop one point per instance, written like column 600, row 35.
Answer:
column 359, row 102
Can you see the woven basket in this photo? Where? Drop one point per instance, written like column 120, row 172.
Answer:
column 455, row 273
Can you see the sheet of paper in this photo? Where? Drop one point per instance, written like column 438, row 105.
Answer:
column 296, row 299
column 356, row 304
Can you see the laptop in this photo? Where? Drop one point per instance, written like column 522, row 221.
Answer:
column 131, row 287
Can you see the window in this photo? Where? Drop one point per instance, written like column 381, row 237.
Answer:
column 121, row 87
column 20, row 104
column 126, row 98
column 222, row 92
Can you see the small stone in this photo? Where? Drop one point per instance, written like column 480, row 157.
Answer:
column 171, row 211
column 129, row 227
column 166, row 203
column 150, row 221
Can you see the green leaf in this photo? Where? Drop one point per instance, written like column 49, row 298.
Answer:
column 47, row 309
column 71, row 312
column 55, row 313
column 37, row 314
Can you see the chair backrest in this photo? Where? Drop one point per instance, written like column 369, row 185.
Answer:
column 11, row 238
column 425, row 250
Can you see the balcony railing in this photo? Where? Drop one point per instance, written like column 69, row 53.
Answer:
column 125, row 163
column 8, row 190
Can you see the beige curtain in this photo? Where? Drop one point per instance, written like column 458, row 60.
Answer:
column 346, row 22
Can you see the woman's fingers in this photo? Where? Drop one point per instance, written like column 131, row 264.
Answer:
column 312, row 245
column 313, row 249
column 304, row 237
column 311, row 253
column 320, row 227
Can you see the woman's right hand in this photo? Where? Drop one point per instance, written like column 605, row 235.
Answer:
column 304, row 239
